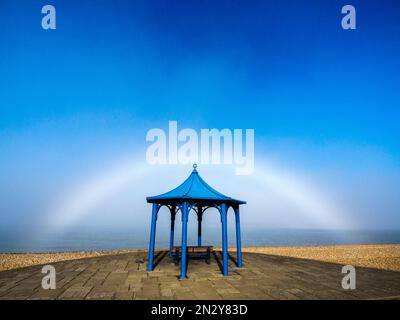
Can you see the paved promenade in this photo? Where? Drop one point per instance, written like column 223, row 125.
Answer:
column 124, row 276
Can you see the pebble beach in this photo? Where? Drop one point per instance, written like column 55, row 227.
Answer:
column 385, row 256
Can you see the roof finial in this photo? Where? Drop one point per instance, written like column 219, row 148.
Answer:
column 194, row 165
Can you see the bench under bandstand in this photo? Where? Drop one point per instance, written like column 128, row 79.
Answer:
column 195, row 194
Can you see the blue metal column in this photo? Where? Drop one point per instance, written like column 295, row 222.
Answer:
column 152, row 236
column 185, row 214
column 238, row 238
column 224, row 239
column 199, row 219
column 171, row 236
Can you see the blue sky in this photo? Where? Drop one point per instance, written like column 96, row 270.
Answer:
column 77, row 101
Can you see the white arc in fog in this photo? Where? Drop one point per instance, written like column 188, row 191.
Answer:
column 88, row 195
column 311, row 203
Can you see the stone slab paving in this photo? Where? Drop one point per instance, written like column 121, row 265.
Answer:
column 124, row 276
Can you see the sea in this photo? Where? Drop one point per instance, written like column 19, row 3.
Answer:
column 20, row 240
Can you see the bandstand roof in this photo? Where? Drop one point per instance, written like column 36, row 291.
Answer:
column 196, row 189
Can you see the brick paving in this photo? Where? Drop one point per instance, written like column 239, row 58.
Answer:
column 124, row 276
